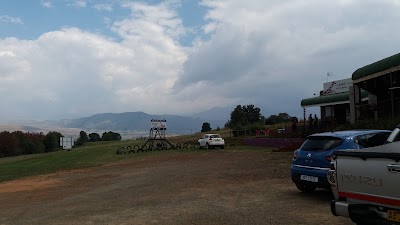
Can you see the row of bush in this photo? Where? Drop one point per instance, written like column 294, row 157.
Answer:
column 380, row 124
column 301, row 132
column 95, row 137
column 20, row 143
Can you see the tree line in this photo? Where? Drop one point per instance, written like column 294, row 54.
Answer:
column 94, row 137
column 20, row 143
column 250, row 117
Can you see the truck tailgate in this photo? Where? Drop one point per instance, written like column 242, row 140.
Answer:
column 369, row 177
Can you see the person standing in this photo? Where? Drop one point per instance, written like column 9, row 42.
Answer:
column 316, row 121
column 310, row 122
column 294, row 124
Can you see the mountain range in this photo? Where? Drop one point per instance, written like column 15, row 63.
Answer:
column 137, row 121
column 128, row 124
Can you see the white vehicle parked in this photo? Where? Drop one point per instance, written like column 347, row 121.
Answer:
column 211, row 140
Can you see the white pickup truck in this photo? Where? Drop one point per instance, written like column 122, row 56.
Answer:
column 366, row 183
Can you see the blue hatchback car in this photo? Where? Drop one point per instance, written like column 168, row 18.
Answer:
column 311, row 161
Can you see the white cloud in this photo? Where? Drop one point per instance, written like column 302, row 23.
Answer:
column 275, row 53
column 103, row 7
column 10, row 19
column 268, row 53
column 47, row 4
column 78, row 3
column 70, row 73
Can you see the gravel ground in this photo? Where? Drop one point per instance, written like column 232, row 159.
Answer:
column 210, row 187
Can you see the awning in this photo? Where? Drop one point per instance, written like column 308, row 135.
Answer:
column 334, row 99
column 378, row 68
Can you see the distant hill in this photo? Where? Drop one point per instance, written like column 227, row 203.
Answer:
column 128, row 124
column 39, row 128
column 217, row 113
column 137, row 121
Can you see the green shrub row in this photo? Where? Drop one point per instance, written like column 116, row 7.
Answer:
column 20, row 143
column 380, row 124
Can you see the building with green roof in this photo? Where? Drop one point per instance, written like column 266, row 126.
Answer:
column 334, row 108
column 374, row 92
column 326, row 100
column 382, row 80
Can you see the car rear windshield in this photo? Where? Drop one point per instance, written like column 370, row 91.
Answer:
column 215, row 136
column 321, row 143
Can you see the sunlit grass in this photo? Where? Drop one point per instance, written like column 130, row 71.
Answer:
column 94, row 154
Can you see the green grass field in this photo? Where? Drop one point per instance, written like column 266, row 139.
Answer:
column 93, row 154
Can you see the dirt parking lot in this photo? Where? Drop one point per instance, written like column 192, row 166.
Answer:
column 207, row 187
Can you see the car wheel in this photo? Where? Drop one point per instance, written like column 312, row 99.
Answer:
column 306, row 187
column 207, row 146
column 222, row 147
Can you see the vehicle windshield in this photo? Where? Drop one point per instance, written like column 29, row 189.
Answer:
column 321, row 143
column 215, row 136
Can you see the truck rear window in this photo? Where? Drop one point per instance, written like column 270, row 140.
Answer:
column 395, row 136
column 371, row 140
column 321, row 143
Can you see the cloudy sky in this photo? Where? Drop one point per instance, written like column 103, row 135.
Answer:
column 72, row 58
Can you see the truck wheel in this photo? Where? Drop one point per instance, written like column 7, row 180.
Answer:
column 306, row 188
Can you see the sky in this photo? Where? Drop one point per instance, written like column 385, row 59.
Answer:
column 65, row 59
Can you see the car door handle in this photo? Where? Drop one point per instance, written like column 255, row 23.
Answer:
column 394, row 168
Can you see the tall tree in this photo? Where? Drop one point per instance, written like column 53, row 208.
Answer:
column 93, row 137
column 244, row 115
column 206, row 127
column 252, row 113
column 37, row 139
column 110, row 136
column 52, row 141
column 285, row 117
column 8, row 144
column 238, row 117
column 83, row 138
column 280, row 118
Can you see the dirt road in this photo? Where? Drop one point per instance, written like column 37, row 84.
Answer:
column 210, row 187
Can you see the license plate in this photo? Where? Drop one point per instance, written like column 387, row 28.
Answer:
column 309, row 178
column 393, row 215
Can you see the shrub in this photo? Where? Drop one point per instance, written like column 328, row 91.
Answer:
column 382, row 124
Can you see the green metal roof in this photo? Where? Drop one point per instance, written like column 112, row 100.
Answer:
column 376, row 67
column 324, row 99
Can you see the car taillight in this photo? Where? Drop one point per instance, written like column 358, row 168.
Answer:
column 333, row 163
column 295, row 155
column 210, row 139
column 328, row 158
column 332, row 166
column 332, row 175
